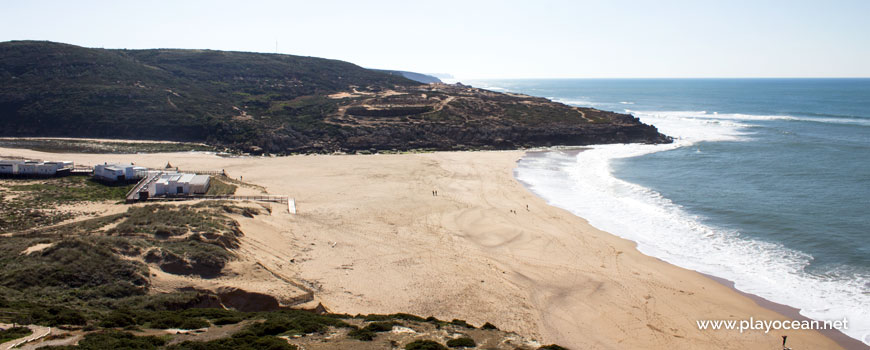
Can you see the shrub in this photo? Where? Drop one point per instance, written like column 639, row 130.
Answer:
column 362, row 334
column 55, row 316
column 461, row 323
column 117, row 340
column 210, row 313
column 169, row 319
column 407, row 317
column 398, row 316
column 292, row 322
column 227, row 320
column 552, row 347
column 424, row 345
column 463, row 342
column 246, row 342
column 369, row 332
column 489, row 326
column 118, row 319
column 14, row 333
column 380, row 326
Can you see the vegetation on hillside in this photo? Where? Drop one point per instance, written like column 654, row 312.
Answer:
column 26, row 204
column 101, row 146
column 87, row 268
column 14, row 333
column 271, row 103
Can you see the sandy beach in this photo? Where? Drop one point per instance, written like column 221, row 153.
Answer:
column 370, row 236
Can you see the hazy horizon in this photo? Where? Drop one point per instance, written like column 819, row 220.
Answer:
column 487, row 40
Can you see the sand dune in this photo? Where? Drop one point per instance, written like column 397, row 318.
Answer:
column 370, row 237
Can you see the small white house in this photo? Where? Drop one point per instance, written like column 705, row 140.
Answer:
column 118, row 172
column 175, row 184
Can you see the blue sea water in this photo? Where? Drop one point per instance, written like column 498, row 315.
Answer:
column 767, row 184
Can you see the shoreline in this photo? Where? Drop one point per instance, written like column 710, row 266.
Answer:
column 788, row 311
column 372, row 238
column 793, row 313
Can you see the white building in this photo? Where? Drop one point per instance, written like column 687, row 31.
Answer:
column 52, row 168
column 9, row 167
column 118, row 172
column 34, row 167
column 175, row 184
column 28, row 167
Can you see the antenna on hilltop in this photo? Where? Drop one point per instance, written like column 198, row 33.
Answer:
column 276, row 46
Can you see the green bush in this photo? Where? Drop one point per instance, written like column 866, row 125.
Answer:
column 461, row 323
column 380, row 326
column 552, row 347
column 247, row 342
column 227, row 320
column 14, row 333
column 398, row 316
column 291, row 322
column 424, row 345
column 111, row 340
column 464, row 342
column 369, row 332
column 168, row 319
column 80, row 263
column 362, row 334
column 210, row 313
column 489, row 326
column 118, row 319
column 55, row 316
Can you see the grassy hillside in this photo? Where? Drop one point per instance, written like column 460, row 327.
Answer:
column 270, row 103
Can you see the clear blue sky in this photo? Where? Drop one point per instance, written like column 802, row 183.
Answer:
column 485, row 39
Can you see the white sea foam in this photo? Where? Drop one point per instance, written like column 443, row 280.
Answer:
column 584, row 185
column 574, row 102
column 751, row 117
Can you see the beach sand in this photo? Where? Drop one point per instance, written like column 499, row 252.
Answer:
column 370, row 237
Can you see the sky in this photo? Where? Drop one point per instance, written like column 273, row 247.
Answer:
column 485, row 39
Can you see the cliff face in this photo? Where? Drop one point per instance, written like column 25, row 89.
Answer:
column 275, row 103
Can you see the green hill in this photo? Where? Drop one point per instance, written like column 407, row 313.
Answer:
column 273, row 103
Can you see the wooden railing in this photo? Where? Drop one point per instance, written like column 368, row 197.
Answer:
column 260, row 198
column 204, row 172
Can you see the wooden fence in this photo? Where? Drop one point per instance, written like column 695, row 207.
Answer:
column 260, row 198
column 204, row 172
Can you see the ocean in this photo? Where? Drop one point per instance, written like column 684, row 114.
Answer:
column 767, row 183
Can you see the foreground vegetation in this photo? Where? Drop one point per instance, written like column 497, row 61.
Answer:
column 26, row 204
column 14, row 333
column 92, row 278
